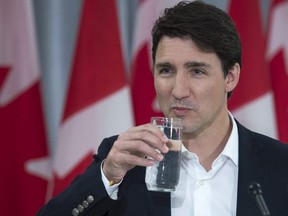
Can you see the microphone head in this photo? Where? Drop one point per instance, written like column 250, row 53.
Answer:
column 254, row 189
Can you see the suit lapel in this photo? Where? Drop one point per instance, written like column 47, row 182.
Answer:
column 252, row 167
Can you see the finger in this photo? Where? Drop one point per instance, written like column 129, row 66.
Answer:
column 139, row 161
column 138, row 148
column 151, row 129
column 150, row 135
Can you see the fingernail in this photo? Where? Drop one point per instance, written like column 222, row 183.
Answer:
column 165, row 148
column 159, row 157
column 165, row 139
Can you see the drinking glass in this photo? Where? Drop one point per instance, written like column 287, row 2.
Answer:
column 164, row 175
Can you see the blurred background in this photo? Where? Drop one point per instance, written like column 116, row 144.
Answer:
column 75, row 71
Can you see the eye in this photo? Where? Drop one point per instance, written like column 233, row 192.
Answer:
column 165, row 72
column 197, row 72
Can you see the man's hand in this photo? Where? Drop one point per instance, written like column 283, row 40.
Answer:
column 139, row 146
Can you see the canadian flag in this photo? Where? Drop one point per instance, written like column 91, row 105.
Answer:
column 143, row 94
column 98, row 100
column 252, row 101
column 277, row 56
column 24, row 163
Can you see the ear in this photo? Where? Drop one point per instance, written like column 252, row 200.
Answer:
column 232, row 77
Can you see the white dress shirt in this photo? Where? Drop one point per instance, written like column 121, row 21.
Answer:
column 202, row 193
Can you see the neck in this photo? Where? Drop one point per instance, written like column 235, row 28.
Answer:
column 210, row 143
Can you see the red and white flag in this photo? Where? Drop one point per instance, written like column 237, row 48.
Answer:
column 252, row 101
column 277, row 56
column 142, row 85
column 98, row 100
column 24, row 162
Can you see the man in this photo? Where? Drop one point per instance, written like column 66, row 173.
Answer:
column 196, row 65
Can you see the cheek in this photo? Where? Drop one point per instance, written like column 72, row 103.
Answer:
column 214, row 97
column 163, row 92
column 209, row 95
column 162, row 88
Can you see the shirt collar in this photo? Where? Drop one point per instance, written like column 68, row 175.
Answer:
column 231, row 148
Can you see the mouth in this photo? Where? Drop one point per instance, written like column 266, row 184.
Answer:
column 180, row 111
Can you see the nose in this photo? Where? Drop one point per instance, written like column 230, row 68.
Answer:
column 181, row 88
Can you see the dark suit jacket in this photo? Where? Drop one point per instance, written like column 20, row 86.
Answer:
column 261, row 159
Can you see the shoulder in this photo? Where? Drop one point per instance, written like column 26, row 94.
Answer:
column 261, row 141
column 271, row 144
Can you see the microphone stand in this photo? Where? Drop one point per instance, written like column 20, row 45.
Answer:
column 256, row 192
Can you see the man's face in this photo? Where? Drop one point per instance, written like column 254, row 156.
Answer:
column 189, row 84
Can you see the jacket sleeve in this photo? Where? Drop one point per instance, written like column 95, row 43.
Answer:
column 86, row 194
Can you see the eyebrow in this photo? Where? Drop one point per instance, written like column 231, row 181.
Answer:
column 164, row 65
column 189, row 64
column 196, row 64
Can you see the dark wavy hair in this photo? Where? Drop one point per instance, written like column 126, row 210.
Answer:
column 210, row 28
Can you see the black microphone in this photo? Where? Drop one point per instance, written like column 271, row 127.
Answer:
column 256, row 192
